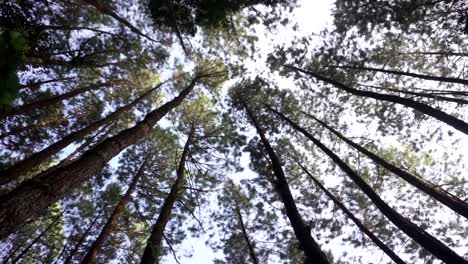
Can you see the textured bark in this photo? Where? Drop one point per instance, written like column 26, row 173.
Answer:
column 153, row 245
column 410, row 74
column 81, row 240
column 102, row 7
column 28, row 164
column 109, row 227
column 449, row 200
column 34, row 196
column 393, row 256
column 430, row 243
column 30, row 107
column 423, row 108
column 245, row 235
column 310, row 247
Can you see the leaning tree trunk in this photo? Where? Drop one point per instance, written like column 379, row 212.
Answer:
column 449, row 200
column 33, row 196
column 423, row 108
column 245, row 235
column 36, row 85
column 310, row 247
column 109, row 227
column 22, row 167
column 153, row 245
column 393, row 256
column 30, row 107
column 430, row 243
column 410, row 74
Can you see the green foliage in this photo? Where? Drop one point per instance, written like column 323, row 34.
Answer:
column 13, row 46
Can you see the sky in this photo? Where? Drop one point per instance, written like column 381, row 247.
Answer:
column 312, row 17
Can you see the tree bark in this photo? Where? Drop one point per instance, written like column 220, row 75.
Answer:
column 449, row 200
column 393, row 256
column 22, row 167
column 423, row 108
column 430, row 243
column 153, row 245
column 32, row 197
column 310, row 247
column 109, row 227
column 410, row 74
column 30, row 107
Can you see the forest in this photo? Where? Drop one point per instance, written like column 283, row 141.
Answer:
column 236, row 132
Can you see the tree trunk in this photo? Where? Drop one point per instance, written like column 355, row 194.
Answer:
column 310, row 247
column 449, row 200
column 410, row 74
column 32, row 197
column 153, row 246
column 245, row 235
column 111, row 223
column 28, row 164
column 426, row 95
column 82, row 239
column 393, row 256
column 426, row 240
column 423, row 108
column 36, row 85
column 30, row 107
column 441, row 53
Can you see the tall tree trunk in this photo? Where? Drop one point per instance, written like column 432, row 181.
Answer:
column 393, row 256
column 22, row 167
column 153, row 245
column 32, row 197
column 104, row 8
column 426, row 95
column 36, row 85
column 410, row 74
column 441, row 53
column 245, row 235
column 30, row 107
column 449, row 200
column 310, row 247
column 423, row 108
column 81, row 240
column 430, row 243
column 109, row 227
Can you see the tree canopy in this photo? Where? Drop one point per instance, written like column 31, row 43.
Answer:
column 150, row 131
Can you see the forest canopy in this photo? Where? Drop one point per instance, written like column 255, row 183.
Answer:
column 233, row 131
